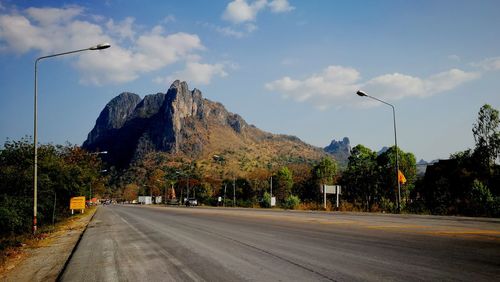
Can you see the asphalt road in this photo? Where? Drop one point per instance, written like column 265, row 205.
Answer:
column 137, row 243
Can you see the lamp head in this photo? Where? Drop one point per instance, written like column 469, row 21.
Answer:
column 100, row 46
column 361, row 93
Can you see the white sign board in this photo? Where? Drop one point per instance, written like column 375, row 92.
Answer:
column 329, row 189
column 273, row 201
column 220, row 199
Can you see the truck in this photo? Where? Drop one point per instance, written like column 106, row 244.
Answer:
column 145, row 200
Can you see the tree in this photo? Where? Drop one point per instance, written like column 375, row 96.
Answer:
column 63, row 172
column 284, row 183
column 325, row 171
column 487, row 136
column 130, row 192
column 481, row 198
column 156, row 181
column 407, row 165
column 361, row 178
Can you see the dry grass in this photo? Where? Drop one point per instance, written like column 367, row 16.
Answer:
column 16, row 246
column 251, row 150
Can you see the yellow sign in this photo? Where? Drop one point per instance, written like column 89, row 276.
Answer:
column 77, row 203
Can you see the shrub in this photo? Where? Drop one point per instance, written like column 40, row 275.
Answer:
column 266, row 200
column 481, row 198
column 387, row 205
column 291, row 202
column 15, row 215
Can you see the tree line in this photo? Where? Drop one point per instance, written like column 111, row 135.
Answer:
column 465, row 184
column 63, row 172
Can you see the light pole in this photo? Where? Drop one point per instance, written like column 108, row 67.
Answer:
column 363, row 94
column 35, row 163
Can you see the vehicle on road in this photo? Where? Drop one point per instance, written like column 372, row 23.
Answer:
column 191, row 202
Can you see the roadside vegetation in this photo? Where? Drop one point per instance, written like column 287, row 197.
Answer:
column 63, row 172
column 468, row 183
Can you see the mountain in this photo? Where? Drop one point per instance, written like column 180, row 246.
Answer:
column 183, row 123
column 340, row 150
column 383, row 150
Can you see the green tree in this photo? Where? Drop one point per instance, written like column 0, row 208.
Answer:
column 63, row 172
column 361, row 178
column 326, row 171
column 284, row 184
column 487, row 135
column 407, row 165
column 481, row 198
column 266, row 200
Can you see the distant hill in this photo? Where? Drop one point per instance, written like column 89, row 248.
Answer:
column 422, row 166
column 340, row 150
column 182, row 123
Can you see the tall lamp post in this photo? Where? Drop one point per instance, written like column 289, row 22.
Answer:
column 363, row 94
column 35, row 163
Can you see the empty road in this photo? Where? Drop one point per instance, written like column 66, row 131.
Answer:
column 137, row 243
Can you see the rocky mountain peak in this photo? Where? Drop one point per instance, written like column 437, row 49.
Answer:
column 178, row 121
column 114, row 115
column 341, row 150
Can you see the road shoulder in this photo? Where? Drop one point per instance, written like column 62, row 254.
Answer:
column 45, row 260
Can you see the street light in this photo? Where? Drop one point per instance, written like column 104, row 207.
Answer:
column 363, row 94
column 35, row 164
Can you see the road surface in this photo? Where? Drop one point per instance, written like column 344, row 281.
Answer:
column 138, row 243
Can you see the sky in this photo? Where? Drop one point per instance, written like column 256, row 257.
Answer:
column 286, row 66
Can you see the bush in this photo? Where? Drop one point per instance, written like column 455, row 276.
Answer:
column 387, row 205
column 244, row 203
column 481, row 198
column 266, row 200
column 291, row 202
column 15, row 215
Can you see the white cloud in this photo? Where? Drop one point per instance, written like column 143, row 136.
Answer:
column 232, row 31
column 196, row 73
column 489, row 64
column 280, row 6
column 123, row 29
column 337, row 85
column 243, row 14
column 152, row 51
column 50, row 16
column 239, row 11
column 51, row 30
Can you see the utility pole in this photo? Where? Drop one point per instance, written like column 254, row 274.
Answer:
column 271, row 186
column 234, row 191
column 225, row 188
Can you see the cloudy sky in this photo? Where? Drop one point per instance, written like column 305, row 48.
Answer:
column 287, row 66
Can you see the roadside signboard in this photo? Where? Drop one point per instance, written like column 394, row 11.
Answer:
column 77, row 203
column 330, row 189
column 273, row 201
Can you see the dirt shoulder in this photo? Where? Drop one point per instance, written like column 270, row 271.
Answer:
column 42, row 259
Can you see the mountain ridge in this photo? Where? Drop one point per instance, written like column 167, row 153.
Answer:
column 182, row 122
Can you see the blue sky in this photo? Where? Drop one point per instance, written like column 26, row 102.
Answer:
column 289, row 67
